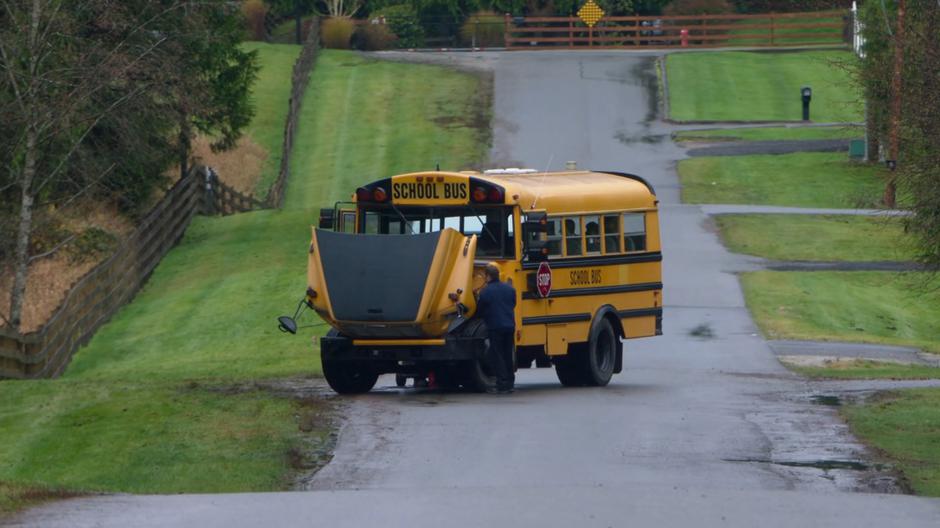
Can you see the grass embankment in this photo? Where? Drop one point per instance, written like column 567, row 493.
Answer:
column 872, row 307
column 161, row 400
column 771, row 133
column 810, row 179
column 752, row 86
column 905, row 426
column 866, row 369
column 827, row 238
column 270, row 95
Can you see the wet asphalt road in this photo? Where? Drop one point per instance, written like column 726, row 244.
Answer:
column 697, row 431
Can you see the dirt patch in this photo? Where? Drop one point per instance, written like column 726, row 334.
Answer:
column 836, row 362
column 239, row 168
column 50, row 278
column 14, row 497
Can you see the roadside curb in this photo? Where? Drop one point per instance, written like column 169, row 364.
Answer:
column 664, row 87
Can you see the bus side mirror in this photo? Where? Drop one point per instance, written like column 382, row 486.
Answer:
column 327, row 218
column 535, row 235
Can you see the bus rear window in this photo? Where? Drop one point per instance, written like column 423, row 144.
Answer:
column 493, row 226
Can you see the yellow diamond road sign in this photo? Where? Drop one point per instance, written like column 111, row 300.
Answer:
column 590, row 13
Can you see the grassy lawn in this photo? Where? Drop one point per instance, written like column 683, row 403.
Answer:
column 866, row 369
column 157, row 402
column 376, row 121
column 904, row 426
column 751, row 86
column 809, row 179
column 771, row 133
column 811, row 237
column 869, row 307
column 270, row 95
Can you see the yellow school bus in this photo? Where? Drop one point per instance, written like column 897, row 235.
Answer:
column 396, row 270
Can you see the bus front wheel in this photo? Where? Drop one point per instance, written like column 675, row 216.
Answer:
column 347, row 377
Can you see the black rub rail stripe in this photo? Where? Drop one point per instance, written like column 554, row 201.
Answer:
column 576, row 318
column 578, row 262
column 598, row 290
column 551, row 319
column 642, row 312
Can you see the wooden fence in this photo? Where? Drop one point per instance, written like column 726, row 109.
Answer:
column 702, row 31
column 299, row 80
column 97, row 296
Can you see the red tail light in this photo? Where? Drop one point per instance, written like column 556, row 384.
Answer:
column 479, row 194
column 495, row 195
column 363, row 195
column 379, row 194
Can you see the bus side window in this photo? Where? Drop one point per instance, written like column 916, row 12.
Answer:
column 612, row 234
column 554, row 237
column 572, row 236
column 592, row 234
column 372, row 223
column 348, row 221
column 634, row 231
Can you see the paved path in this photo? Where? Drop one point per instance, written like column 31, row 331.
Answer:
column 695, row 432
column 717, row 209
column 854, row 350
column 746, row 148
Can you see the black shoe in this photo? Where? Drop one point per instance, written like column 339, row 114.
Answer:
column 505, row 390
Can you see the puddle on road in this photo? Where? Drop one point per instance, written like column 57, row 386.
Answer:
column 655, row 139
column 828, row 400
column 825, row 465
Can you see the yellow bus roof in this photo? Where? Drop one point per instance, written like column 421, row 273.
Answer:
column 574, row 191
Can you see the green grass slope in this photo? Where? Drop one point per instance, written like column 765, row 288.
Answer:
column 270, row 95
column 771, row 133
column 810, row 237
column 752, row 86
column 868, row 307
column 806, row 179
column 161, row 400
column 904, row 426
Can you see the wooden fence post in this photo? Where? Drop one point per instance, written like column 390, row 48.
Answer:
column 507, row 34
column 772, row 23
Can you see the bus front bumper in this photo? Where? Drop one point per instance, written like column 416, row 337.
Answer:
column 450, row 349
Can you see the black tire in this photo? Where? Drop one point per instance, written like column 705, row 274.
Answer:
column 569, row 371
column 447, row 378
column 476, row 375
column 349, row 377
column 601, row 355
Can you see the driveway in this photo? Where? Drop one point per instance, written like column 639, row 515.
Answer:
column 703, row 428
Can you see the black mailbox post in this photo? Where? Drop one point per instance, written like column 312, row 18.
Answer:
column 807, row 94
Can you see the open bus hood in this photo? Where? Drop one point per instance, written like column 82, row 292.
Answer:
column 386, row 286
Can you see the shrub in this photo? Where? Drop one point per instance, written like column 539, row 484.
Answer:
column 374, row 36
column 484, row 29
column 698, row 7
column 255, row 12
column 404, row 23
column 337, row 32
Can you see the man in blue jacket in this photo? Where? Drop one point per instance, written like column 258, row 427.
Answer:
column 496, row 304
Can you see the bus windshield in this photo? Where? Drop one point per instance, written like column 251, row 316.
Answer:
column 492, row 225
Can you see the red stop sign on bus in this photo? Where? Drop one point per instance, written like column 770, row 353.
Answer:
column 543, row 279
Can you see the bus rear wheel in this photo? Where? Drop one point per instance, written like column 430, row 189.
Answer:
column 568, row 369
column 348, row 377
column 601, row 355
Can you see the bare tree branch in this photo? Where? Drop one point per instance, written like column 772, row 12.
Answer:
column 57, row 247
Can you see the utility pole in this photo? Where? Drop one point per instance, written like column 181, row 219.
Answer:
column 895, row 139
